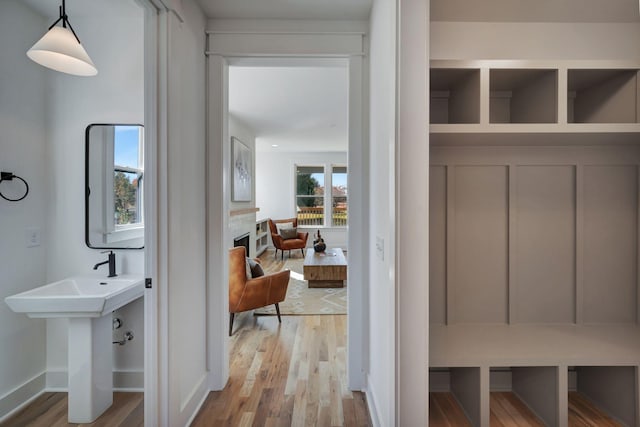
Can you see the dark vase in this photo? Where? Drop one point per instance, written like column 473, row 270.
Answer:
column 318, row 243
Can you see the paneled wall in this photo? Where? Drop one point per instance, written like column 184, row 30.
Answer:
column 534, row 234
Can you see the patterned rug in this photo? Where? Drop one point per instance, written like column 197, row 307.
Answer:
column 301, row 300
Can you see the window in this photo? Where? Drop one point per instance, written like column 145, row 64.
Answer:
column 339, row 196
column 127, row 177
column 311, row 203
column 310, row 195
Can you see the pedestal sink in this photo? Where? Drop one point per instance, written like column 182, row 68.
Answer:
column 88, row 302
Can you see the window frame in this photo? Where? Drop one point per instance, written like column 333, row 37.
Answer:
column 327, row 203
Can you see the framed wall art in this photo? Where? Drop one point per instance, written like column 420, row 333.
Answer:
column 241, row 184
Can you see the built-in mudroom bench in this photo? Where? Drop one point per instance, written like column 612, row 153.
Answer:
column 534, row 236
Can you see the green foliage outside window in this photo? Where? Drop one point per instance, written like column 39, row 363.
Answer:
column 124, row 198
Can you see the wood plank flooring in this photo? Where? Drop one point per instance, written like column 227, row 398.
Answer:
column 582, row 413
column 507, row 410
column 293, row 374
column 50, row 410
column 445, row 411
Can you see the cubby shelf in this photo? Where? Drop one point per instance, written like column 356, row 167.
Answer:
column 523, row 96
column 262, row 235
column 455, row 96
column 529, row 97
column 602, row 96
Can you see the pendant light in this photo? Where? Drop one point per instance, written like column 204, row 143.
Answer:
column 60, row 49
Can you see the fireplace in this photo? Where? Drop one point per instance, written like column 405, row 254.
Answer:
column 242, row 241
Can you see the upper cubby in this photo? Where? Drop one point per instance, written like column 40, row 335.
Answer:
column 523, row 96
column 455, row 96
column 602, row 96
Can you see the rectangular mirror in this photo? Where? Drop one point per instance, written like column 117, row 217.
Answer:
column 114, row 172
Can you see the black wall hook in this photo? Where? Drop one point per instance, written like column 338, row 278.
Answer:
column 8, row 176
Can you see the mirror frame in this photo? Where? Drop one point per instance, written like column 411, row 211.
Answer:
column 87, row 189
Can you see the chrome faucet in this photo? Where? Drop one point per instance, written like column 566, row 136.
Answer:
column 112, row 264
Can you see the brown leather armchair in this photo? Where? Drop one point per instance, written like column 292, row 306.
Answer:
column 286, row 245
column 249, row 294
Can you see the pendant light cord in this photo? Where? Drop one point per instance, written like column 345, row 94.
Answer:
column 65, row 20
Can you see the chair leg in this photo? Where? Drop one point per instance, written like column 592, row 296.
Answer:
column 275, row 256
column 302, row 250
column 231, row 316
column 282, row 253
column 278, row 312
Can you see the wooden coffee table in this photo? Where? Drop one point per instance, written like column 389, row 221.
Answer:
column 326, row 269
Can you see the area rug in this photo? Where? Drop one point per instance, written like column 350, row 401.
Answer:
column 301, row 300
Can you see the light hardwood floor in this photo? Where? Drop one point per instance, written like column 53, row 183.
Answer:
column 50, row 410
column 291, row 374
column 582, row 413
column 509, row 411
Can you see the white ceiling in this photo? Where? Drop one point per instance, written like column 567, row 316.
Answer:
column 299, row 108
column 79, row 8
column 287, row 9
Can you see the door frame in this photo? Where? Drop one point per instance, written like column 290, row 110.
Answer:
column 246, row 47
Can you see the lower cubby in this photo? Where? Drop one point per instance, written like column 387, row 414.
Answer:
column 534, row 396
column 526, row 396
column 456, row 397
column 603, row 396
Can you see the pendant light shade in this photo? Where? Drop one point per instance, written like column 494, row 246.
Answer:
column 61, row 50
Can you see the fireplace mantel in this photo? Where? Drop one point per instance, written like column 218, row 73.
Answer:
column 245, row 211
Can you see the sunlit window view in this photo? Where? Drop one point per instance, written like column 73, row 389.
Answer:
column 311, row 197
column 127, row 179
column 339, row 196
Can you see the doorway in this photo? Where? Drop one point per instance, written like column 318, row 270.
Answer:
column 219, row 205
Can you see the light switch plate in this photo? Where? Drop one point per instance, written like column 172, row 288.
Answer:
column 380, row 247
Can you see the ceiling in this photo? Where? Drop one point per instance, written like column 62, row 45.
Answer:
column 287, row 9
column 298, row 108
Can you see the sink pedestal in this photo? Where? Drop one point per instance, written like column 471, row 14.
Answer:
column 90, row 367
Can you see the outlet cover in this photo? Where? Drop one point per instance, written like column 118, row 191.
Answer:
column 32, row 236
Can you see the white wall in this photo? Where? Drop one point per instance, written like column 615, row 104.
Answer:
column 245, row 134
column 380, row 381
column 115, row 95
column 245, row 223
column 22, row 151
column 275, row 187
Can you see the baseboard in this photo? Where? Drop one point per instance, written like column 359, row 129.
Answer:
column 21, row 396
column 129, row 381
column 372, row 406
column 192, row 406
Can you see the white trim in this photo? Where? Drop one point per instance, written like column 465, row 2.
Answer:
column 373, row 408
column 154, row 106
column 21, row 396
column 218, row 155
column 127, row 381
column 410, row 252
column 283, row 55
column 217, row 227
column 291, row 33
column 161, row 405
column 357, row 231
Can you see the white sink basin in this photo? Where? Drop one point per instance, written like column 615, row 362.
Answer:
column 78, row 296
